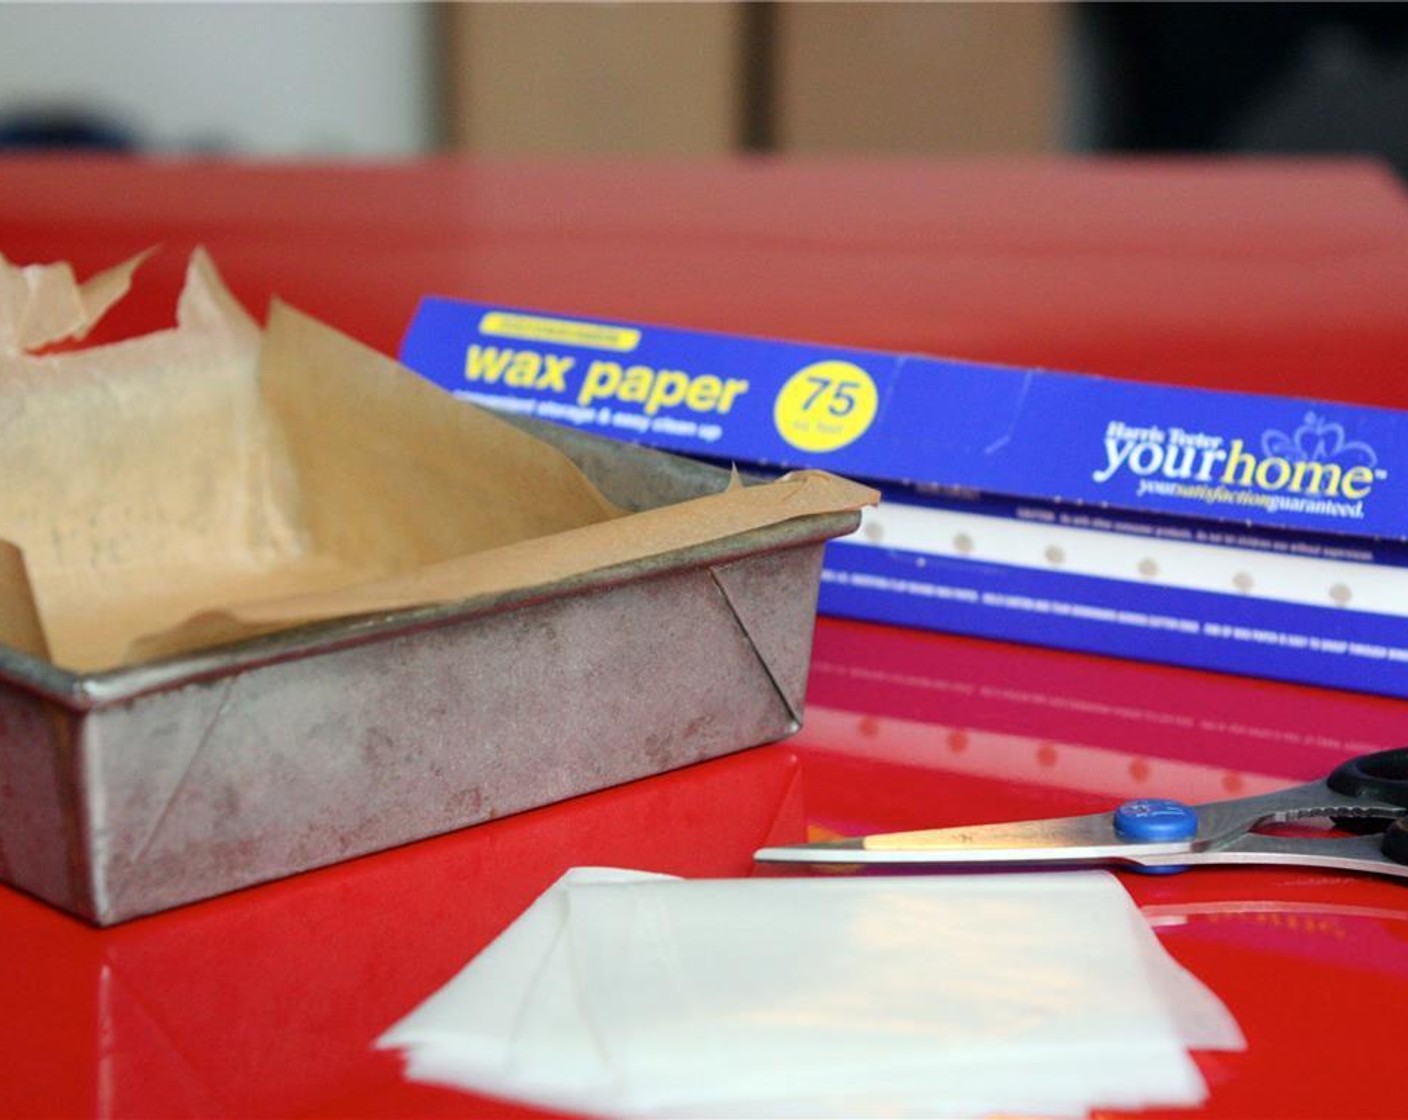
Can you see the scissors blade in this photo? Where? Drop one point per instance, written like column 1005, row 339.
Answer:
column 1087, row 839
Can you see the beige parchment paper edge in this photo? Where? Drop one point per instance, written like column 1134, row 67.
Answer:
column 527, row 563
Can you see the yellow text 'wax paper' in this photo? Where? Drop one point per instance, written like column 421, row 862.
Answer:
column 216, row 481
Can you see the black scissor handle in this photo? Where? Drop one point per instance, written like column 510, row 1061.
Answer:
column 1382, row 776
column 1395, row 842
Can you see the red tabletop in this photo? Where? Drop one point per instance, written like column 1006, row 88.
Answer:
column 1263, row 275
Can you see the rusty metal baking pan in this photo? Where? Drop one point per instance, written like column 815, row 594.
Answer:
column 133, row 790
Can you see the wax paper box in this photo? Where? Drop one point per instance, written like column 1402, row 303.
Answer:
column 1239, row 532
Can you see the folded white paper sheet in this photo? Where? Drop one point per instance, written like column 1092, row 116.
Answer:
column 625, row 994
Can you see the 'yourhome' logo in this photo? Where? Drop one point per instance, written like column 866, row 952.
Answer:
column 1316, row 460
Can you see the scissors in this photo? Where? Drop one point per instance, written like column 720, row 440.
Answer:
column 1367, row 795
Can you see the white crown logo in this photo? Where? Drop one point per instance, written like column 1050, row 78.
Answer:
column 1318, row 440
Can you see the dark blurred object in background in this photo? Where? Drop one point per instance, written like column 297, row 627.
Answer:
column 57, row 129
column 1241, row 77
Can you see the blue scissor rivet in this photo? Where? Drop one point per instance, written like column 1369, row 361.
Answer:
column 1153, row 819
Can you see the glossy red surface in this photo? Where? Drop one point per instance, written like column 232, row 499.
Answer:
column 1270, row 276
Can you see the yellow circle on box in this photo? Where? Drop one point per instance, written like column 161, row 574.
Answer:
column 825, row 406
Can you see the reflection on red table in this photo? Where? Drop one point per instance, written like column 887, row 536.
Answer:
column 267, row 1002
column 1268, row 276
column 907, row 730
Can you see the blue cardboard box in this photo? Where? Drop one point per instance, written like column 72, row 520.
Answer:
column 1246, row 533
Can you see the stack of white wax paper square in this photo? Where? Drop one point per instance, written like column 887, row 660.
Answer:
column 620, row 993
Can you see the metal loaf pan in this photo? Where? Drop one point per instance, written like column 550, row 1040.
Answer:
column 127, row 792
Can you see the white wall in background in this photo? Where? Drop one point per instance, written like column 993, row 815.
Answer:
column 252, row 78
